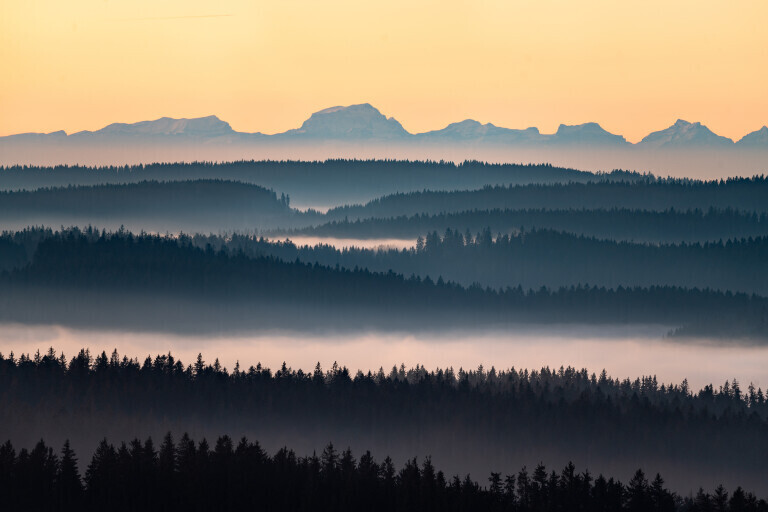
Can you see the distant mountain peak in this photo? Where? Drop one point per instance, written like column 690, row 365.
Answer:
column 683, row 133
column 471, row 123
column 467, row 128
column 209, row 126
column 756, row 139
column 470, row 130
column 364, row 122
column 586, row 133
column 360, row 121
column 360, row 107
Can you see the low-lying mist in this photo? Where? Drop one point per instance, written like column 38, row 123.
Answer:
column 624, row 351
column 464, row 427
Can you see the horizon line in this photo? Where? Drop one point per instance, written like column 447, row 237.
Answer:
column 185, row 118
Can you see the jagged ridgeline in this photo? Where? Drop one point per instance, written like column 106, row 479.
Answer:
column 87, row 278
column 477, row 421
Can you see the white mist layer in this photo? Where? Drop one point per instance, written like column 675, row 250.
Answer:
column 623, row 351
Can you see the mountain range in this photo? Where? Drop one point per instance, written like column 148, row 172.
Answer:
column 360, row 123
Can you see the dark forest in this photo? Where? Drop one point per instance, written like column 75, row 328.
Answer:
column 502, row 416
column 89, row 276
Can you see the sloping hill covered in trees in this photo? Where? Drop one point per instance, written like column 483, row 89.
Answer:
column 470, row 421
column 537, row 258
column 611, row 224
column 745, row 194
column 203, row 205
column 94, row 278
column 323, row 183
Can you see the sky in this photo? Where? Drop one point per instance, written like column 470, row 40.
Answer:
column 632, row 66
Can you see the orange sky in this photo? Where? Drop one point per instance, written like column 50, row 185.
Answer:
column 632, row 66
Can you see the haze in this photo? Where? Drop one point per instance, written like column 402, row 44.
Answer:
column 623, row 351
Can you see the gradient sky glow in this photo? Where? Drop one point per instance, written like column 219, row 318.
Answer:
column 632, row 66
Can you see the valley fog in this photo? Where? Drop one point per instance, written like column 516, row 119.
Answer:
column 623, row 351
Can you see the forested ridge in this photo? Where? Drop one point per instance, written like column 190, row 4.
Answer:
column 329, row 182
column 92, row 262
column 643, row 209
column 118, row 198
column 537, row 258
column 629, row 422
column 176, row 205
column 668, row 226
column 239, row 475
column 745, row 194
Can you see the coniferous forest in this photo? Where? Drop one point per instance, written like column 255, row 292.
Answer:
column 201, row 254
column 237, row 475
column 407, row 256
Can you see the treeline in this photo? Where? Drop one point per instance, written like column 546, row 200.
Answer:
column 106, row 265
column 173, row 205
column 327, row 182
column 470, row 419
column 126, row 381
column 647, row 208
column 612, row 224
column 240, row 475
column 537, row 258
column 530, row 259
column 745, row 194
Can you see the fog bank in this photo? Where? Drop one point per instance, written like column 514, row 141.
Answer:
column 623, row 351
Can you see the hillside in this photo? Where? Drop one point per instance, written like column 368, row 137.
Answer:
column 94, row 279
column 744, row 194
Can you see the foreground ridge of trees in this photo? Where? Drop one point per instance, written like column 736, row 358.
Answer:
column 484, row 414
column 240, row 475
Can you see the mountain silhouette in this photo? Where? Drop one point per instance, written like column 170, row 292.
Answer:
column 353, row 122
column 756, row 139
column 683, row 134
column 471, row 130
column 32, row 136
column 364, row 123
column 210, row 126
column 587, row 133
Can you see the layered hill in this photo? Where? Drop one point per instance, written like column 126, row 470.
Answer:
column 312, row 184
column 110, row 280
column 207, row 205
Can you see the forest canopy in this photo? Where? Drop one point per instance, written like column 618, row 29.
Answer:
column 83, row 276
